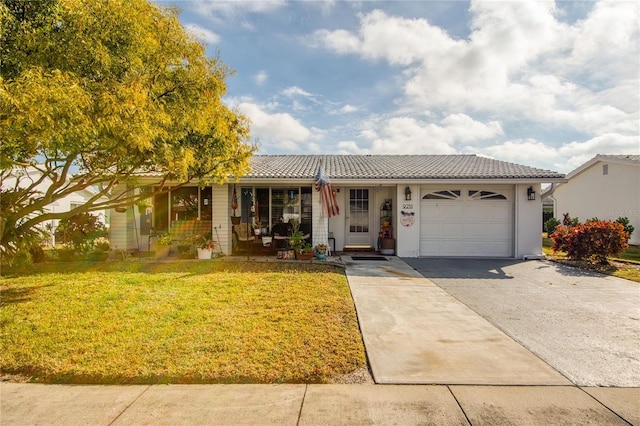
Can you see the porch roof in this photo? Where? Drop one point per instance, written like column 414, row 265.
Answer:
column 388, row 167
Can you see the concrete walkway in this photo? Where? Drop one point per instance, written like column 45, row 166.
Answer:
column 416, row 333
column 471, row 348
column 34, row 404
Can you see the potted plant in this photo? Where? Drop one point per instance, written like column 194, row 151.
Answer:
column 235, row 220
column 296, row 240
column 144, row 206
column 100, row 249
column 304, row 252
column 205, row 246
column 321, row 251
column 163, row 245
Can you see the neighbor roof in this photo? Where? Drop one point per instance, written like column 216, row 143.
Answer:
column 630, row 159
column 387, row 167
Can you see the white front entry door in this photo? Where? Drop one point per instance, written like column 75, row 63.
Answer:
column 359, row 218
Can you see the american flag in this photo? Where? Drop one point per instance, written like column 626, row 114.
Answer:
column 327, row 196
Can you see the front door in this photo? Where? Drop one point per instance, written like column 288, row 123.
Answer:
column 358, row 220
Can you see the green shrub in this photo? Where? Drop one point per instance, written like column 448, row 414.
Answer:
column 624, row 221
column 593, row 241
column 80, row 230
column 550, row 225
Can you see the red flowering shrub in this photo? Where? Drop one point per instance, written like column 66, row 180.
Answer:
column 593, row 241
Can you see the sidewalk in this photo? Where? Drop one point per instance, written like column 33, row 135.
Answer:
column 392, row 300
column 34, row 404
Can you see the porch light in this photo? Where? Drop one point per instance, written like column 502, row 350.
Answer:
column 531, row 194
column 407, row 194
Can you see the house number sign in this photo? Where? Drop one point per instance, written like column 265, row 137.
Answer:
column 407, row 218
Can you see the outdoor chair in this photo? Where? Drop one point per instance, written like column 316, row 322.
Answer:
column 245, row 235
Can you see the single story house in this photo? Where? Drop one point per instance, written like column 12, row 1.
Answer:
column 606, row 187
column 410, row 205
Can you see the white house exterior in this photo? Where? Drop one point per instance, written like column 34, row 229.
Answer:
column 606, row 187
column 440, row 205
column 64, row 204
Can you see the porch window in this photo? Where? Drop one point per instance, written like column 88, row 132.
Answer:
column 285, row 204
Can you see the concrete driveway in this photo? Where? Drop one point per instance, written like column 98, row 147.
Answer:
column 585, row 325
column 416, row 333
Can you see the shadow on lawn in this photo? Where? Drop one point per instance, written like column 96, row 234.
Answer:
column 14, row 295
column 185, row 267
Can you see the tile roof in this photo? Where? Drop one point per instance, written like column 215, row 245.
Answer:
column 632, row 157
column 387, row 167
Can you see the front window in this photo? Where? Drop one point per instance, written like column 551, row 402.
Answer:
column 184, row 203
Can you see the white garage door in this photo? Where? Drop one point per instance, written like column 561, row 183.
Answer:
column 466, row 221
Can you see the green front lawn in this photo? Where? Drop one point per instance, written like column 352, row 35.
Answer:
column 182, row 322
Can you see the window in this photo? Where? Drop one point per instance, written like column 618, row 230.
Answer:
column 285, row 204
column 605, row 169
column 486, row 195
column 184, row 203
column 443, row 195
column 205, row 203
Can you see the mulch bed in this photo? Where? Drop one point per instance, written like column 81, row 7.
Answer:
column 613, row 265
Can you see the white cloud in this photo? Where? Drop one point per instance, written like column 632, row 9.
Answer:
column 235, row 7
column 564, row 158
column 520, row 63
column 577, row 152
column 349, row 147
column 409, row 135
column 519, row 151
column 348, row 108
column 340, row 41
column 260, row 78
column 274, row 129
column 202, row 34
column 295, row 91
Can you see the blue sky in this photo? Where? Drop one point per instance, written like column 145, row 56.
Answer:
column 543, row 84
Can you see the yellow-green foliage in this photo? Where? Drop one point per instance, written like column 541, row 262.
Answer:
column 112, row 88
column 203, row 322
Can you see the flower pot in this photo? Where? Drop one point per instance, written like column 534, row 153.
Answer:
column 235, row 220
column 321, row 256
column 204, row 254
column 304, row 256
column 162, row 251
column 97, row 256
column 387, row 246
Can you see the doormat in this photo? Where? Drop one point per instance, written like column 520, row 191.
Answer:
column 368, row 258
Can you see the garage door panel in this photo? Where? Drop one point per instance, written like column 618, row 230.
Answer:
column 451, row 212
column 484, row 248
column 451, row 230
column 451, row 247
column 467, row 226
column 501, row 213
column 476, row 230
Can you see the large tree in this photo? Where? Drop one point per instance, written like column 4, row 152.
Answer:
column 92, row 93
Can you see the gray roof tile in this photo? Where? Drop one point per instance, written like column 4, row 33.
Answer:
column 387, row 167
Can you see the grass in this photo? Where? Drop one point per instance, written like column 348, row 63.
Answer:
column 182, row 322
column 626, row 265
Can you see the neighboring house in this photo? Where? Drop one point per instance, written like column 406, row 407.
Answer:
column 64, row 204
column 435, row 205
column 606, row 187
